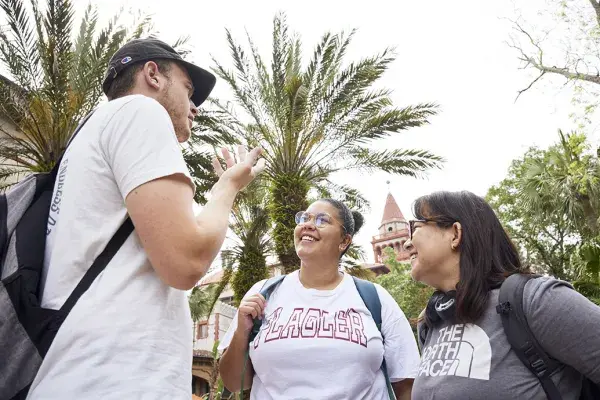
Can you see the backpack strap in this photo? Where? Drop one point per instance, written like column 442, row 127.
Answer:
column 422, row 330
column 99, row 264
column 266, row 290
column 85, row 119
column 520, row 337
column 369, row 295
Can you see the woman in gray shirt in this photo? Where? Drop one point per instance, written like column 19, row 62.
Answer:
column 459, row 247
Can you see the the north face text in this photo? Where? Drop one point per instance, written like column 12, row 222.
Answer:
column 458, row 350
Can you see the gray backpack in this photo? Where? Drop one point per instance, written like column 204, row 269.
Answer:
column 26, row 329
column 524, row 343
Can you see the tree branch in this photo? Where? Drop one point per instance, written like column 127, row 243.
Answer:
column 566, row 73
column 538, row 62
column 530, row 85
column 596, row 5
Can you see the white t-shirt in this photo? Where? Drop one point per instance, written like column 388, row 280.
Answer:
column 130, row 335
column 323, row 344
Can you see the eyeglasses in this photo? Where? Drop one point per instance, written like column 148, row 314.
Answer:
column 412, row 222
column 321, row 219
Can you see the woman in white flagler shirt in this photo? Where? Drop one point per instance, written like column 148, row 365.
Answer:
column 319, row 340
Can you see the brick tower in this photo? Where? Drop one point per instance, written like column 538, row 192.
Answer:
column 393, row 231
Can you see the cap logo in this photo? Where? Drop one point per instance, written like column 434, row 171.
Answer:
column 126, row 60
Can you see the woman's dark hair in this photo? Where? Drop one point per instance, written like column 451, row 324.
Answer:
column 351, row 220
column 487, row 255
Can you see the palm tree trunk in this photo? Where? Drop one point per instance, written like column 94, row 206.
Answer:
column 591, row 217
column 288, row 196
column 252, row 268
column 214, row 378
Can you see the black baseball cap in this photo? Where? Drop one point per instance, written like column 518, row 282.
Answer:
column 153, row 49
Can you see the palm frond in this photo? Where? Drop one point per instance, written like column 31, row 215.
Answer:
column 281, row 48
column 180, row 45
column 19, row 50
column 200, row 164
column 251, row 222
column 57, row 79
column 355, row 252
column 199, row 300
column 403, row 162
column 353, row 268
column 344, row 193
column 215, row 294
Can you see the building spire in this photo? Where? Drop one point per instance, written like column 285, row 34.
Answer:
column 391, row 210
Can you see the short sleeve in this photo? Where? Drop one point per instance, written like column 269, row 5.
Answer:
column 224, row 343
column 565, row 323
column 400, row 347
column 140, row 145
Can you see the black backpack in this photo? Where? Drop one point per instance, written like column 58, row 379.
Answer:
column 525, row 345
column 26, row 329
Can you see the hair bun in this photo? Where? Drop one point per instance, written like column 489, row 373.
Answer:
column 359, row 220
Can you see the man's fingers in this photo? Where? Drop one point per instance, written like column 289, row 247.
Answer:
column 242, row 152
column 217, row 166
column 259, row 167
column 253, row 155
column 229, row 161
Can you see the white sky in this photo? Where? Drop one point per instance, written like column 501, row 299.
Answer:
column 451, row 53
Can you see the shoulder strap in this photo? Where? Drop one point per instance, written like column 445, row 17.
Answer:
column 270, row 284
column 520, row 337
column 266, row 290
column 99, row 264
column 422, row 330
column 109, row 251
column 81, row 124
column 369, row 295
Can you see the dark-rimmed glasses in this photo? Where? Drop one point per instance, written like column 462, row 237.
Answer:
column 412, row 222
column 321, row 219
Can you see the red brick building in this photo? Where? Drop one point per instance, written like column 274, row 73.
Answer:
column 393, row 232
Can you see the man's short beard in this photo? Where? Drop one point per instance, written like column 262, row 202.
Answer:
column 165, row 100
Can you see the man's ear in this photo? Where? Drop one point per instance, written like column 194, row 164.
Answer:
column 151, row 75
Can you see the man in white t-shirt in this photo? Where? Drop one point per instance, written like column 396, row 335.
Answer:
column 130, row 334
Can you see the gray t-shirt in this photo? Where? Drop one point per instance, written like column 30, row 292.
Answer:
column 475, row 361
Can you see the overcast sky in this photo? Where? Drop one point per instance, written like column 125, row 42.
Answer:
column 451, row 53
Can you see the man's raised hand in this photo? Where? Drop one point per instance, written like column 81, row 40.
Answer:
column 243, row 172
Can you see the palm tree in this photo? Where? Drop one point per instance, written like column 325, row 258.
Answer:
column 244, row 263
column 251, row 224
column 568, row 177
column 567, row 180
column 198, row 153
column 57, row 81
column 313, row 121
column 201, row 301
